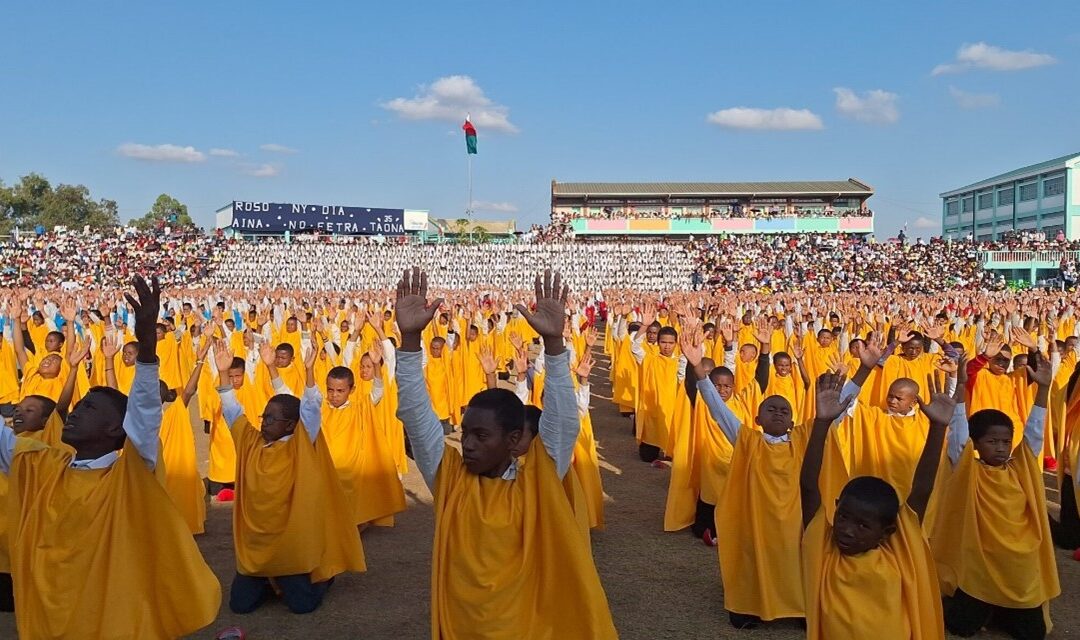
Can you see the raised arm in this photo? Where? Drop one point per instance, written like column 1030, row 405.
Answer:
column 1042, row 375
column 830, row 406
column 559, row 423
column 75, row 359
column 414, row 313
column 939, row 411
column 142, row 422
column 691, row 345
column 200, row 359
column 231, row 410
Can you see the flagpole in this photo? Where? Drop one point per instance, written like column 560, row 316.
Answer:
column 469, row 205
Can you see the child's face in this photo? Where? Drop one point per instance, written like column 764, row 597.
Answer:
column 436, row 348
column 50, row 366
column 275, row 425
column 54, row 341
column 725, row 386
column 94, row 423
column 747, row 352
column 236, row 378
column 995, row 446
column 485, row 445
column 912, row 349
column 651, row 334
column 900, row 399
column 774, row 416
column 367, row 368
column 129, row 353
column 29, row 416
column 282, row 359
column 337, row 391
column 667, row 345
column 858, row 528
column 999, row 364
column 783, row 367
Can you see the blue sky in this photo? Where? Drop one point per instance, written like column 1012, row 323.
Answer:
column 360, row 103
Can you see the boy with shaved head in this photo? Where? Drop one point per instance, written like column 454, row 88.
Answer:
column 509, row 558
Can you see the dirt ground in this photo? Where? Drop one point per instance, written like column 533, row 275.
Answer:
column 659, row 585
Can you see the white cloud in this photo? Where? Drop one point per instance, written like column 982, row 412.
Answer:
column 277, row 148
column 224, row 153
column 782, row 119
column 161, row 152
column 874, row 107
column 450, row 99
column 500, row 207
column 966, row 100
column 263, row 170
column 986, row 56
column 922, row 222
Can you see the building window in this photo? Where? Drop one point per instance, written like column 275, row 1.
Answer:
column 967, row 204
column 986, row 200
column 1029, row 191
column 952, row 207
column 1006, row 197
column 1054, row 186
column 986, row 225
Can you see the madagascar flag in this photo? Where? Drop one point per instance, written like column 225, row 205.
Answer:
column 470, row 136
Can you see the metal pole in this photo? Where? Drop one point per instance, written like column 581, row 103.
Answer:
column 469, row 206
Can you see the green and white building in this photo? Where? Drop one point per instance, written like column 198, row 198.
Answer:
column 1040, row 197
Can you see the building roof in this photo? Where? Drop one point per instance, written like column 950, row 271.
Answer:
column 1031, row 170
column 851, row 186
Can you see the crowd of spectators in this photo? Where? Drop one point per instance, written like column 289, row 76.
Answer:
column 839, row 262
column 652, row 266
column 754, row 211
column 102, row 259
column 817, row 262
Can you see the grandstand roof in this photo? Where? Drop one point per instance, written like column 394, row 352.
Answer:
column 851, row 186
column 1063, row 162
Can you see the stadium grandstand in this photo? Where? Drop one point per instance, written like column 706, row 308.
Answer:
column 704, row 208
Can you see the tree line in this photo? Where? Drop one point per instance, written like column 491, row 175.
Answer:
column 33, row 201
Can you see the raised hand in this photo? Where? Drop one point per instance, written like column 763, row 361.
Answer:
column 222, row 358
column 515, row 341
column 992, row 345
column 549, row 318
column 1041, row 373
column 590, row 337
column 266, row 353
column 933, row 331
column 763, row 331
column 146, row 308
column 521, row 359
column 904, row 333
column 110, row 346
column 376, row 352
column 648, row 314
column 487, row 359
column 584, row 367
column 829, row 407
column 1023, row 338
column 796, row 350
column 80, row 353
column 691, row 344
column 947, row 365
column 310, row 357
column 872, row 351
column 940, row 408
column 414, row 312
column 727, row 331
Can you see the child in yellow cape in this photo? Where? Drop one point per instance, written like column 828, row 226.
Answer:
column 759, row 501
column 662, row 372
column 361, row 454
column 291, row 525
column 992, row 543
column 94, row 531
column 33, row 417
column 509, row 554
column 866, row 565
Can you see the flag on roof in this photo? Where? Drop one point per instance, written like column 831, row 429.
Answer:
column 470, row 136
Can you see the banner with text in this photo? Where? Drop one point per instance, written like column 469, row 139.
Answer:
column 276, row 217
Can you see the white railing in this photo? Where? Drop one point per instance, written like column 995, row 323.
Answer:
column 1023, row 257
